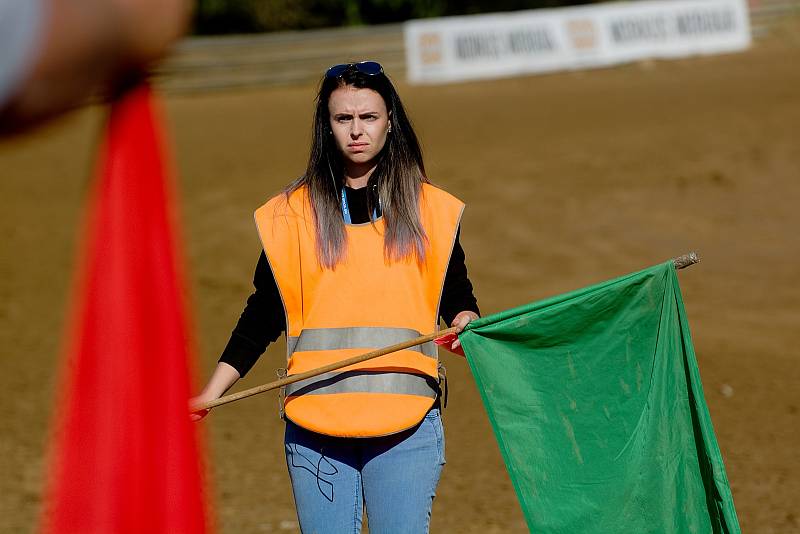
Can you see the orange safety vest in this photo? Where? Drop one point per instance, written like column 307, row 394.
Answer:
column 366, row 302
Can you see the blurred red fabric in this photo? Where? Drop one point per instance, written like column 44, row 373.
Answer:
column 125, row 457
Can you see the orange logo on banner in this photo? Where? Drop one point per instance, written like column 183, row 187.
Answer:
column 583, row 33
column 430, row 45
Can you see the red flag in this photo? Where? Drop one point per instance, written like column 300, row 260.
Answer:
column 125, row 456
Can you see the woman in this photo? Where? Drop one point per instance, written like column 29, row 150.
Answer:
column 360, row 252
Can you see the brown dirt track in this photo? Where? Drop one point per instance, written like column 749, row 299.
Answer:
column 570, row 179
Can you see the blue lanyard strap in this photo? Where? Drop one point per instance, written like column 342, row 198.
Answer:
column 346, row 209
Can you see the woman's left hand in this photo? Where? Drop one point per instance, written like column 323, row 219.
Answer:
column 461, row 320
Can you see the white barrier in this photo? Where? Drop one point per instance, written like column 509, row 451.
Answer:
column 489, row 46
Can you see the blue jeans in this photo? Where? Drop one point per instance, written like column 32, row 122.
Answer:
column 394, row 476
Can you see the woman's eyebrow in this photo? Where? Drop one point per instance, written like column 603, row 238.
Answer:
column 343, row 114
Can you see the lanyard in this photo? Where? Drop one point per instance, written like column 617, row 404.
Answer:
column 346, row 209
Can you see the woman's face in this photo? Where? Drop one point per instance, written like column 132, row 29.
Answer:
column 359, row 122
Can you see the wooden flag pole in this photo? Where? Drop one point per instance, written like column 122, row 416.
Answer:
column 324, row 369
column 686, row 260
column 680, row 262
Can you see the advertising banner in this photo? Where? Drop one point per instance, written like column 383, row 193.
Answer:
column 489, row 46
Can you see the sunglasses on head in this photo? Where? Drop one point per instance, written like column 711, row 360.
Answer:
column 370, row 68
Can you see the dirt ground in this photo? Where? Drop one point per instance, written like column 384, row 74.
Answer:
column 569, row 179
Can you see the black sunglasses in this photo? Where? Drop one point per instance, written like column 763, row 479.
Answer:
column 370, row 68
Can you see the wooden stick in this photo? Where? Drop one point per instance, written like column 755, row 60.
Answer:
column 680, row 263
column 320, row 370
column 686, row 260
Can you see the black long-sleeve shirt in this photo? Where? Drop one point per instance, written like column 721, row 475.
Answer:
column 263, row 319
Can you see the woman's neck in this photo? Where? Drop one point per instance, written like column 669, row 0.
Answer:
column 356, row 175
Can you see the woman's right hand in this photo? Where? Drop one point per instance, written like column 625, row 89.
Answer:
column 197, row 415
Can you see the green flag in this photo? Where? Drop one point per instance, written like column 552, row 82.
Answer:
column 596, row 403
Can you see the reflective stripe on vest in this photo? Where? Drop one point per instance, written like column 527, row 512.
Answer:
column 363, row 381
column 366, row 302
column 369, row 338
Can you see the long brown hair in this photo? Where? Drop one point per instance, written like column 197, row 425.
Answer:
column 395, row 183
